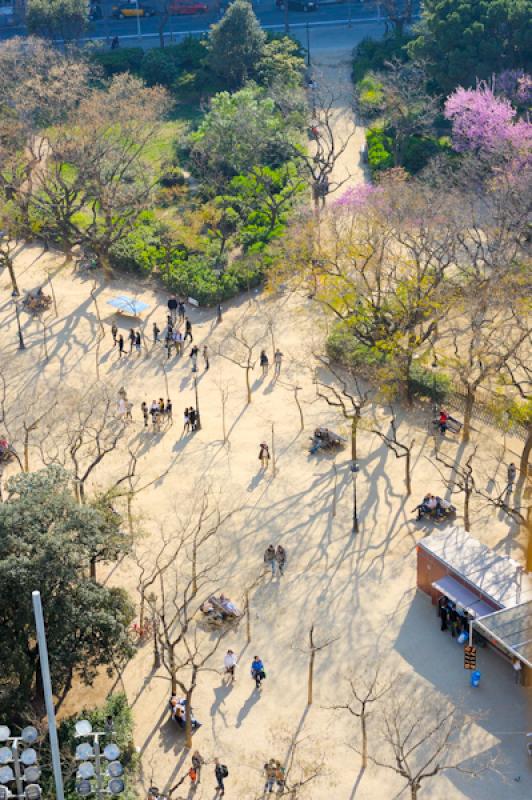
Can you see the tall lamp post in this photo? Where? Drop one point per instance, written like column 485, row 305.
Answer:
column 97, row 765
column 18, row 764
column 139, row 34
column 14, row 297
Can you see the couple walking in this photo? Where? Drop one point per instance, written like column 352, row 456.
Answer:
column 273, row 557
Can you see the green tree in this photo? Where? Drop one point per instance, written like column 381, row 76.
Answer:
column 57, row 19
column 281, row 62
column 236, row 44
column 466, row 40
column 241, row 131
column 46, row 542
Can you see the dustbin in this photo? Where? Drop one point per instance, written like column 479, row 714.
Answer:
column 475, row 678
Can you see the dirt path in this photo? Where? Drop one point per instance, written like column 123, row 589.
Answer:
column 361, row 589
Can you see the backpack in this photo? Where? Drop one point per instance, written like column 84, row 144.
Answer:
column 224, row 770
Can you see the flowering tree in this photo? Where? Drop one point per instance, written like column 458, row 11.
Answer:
column 485, row 123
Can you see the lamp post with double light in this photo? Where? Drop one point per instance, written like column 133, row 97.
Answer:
column 99, row 772
column 18, row 765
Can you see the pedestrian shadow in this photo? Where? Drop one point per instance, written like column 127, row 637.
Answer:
column 248, row 705
column 256, row 479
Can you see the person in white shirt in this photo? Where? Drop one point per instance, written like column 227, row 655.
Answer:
column 230, row 662
column 517, row 670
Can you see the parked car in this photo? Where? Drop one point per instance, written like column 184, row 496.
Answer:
column 298, row 5
column 187, row 7
column 132, row 10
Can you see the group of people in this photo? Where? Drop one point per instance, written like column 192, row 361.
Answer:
column 264, row 362
column 190, row 419
column 178, row 711
column 220, row 608
column 275, row 776
column 275, row 558
column 134, row 338
column 258, row 672
column 433, row 505
column 452, row 619
column 159, row 411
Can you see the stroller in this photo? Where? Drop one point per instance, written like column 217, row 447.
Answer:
column 325, row 439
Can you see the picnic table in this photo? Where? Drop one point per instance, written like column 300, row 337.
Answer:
column 128, row 305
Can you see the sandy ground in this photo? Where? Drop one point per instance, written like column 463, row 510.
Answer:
column 358, row 588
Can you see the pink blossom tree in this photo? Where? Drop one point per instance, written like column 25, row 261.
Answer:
column 485, row 123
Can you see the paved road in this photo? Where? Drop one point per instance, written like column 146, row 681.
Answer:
column 354, row 12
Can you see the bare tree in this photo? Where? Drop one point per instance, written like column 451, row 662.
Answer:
column 351, row 404
column 313, row 648
column 421, row 739
column 459, row 480
column 399, row 13
column 366, row 689
column 240, row 348
column 399, row 449
column 7, row 248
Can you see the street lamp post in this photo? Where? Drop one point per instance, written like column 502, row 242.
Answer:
column 198, row 417
column 14, row 296
column 308, row 45
column 355, row 469
column 48, row 696
column 139, row 34
column 97, row 764
column 25, row 771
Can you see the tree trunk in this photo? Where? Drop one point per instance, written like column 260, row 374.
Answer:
column 188, row 720
column 93, row 568
column 407, row 474
column 468, row 413
column 248, row 385
column 26, row 451
column 12, row 277
column 310, row 676
column 525, row 455
column 467, row 496
column 363, row 726
column 301, row 419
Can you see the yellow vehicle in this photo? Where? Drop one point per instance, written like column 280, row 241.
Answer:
column 132, row 10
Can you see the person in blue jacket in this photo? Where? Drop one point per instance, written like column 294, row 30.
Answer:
column 257, row 671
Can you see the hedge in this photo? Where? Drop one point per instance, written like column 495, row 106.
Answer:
column 372, row 54
column 380, row 156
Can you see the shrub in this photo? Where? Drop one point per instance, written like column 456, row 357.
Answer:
column 424, row 382
column 127, row 59
column 159, row 66
column 190, row 53
column 380, row 156
column 420, row 149
column 195, row 277
column 369, row 95
column 372, row 54
column 139, row 251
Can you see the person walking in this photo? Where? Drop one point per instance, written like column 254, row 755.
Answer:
column 192, row 417
column 269, row 558
column 257, row 671
column 131, row 338
column 280, row 777
column 220, row 773
column 516, row 664
column 186, row 420
column 197, row 762
column 194, row 358
column 154, row 411
column 129, row 410
column 219, row 313
column 230, row 662
column 280, row 557
column 145, row 412
column 172, row 307
column 114, row 333
column 264, row 455
column 169, row 412
column 270, row 769
column 120, row 346
column 188, row 330
column 156, row 332
column 181, row 311
column 138, row 342
column 511, row 475
column 278, row 360
column 206, row 357
column 264, row 362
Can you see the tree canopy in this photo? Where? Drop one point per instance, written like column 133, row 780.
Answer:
column 236, row 44
column 47, row 540
column 57, row 19
column 464, row 40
